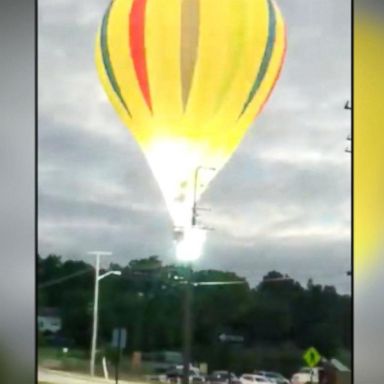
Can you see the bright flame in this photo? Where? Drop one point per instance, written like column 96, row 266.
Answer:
column 190, row 247
column 174, row 163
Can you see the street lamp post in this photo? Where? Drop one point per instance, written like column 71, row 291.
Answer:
column 96, row 304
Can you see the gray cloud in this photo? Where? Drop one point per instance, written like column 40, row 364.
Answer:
column 283, row 200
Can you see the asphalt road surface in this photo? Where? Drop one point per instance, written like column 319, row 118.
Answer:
column 58, row 377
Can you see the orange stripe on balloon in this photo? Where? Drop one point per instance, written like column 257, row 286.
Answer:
column 137, row 43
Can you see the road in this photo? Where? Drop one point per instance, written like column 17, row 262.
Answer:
column 59, row 377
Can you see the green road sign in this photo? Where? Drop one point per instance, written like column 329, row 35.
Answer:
column 312, row 357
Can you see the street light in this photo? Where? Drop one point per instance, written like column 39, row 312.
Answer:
column 117, row 273
column 96, row 304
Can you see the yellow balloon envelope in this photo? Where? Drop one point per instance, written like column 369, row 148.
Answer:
column 188, row 77
column 368, row 142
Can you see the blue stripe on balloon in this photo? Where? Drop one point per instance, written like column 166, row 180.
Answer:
column 266, row 58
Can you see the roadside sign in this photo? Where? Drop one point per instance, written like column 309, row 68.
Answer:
column 119, row 338
column 224, row 338
column 312, row 357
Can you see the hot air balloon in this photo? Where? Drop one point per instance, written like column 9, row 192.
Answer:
column 188, row 77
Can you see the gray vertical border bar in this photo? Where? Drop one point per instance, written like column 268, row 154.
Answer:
column 17, row 191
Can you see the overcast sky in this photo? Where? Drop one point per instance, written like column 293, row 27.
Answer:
column 283, row 200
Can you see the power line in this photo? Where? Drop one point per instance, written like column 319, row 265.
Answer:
column 64, row 278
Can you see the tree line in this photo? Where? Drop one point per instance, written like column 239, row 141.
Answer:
column 278, row 318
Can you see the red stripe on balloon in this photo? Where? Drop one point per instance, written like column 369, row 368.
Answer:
column 278, row 72
column 137, row 43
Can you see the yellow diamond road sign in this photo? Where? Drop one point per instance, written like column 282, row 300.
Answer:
column 312, row 357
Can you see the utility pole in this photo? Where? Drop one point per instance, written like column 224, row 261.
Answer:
column 348, row 149
column 95, row 308
column 195, row 208
column 349, row 137
column 187, row 331
column 188, row 298
column 348, row 106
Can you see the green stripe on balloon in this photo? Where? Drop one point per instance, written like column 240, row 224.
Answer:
column 266, row 57
column 278, row 71
column 107, row 60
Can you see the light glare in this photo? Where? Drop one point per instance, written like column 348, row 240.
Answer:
column 190, row 247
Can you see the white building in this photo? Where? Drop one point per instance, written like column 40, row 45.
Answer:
column 49, row 320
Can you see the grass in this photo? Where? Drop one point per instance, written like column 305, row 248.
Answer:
column 77, row 361
column 57, row 353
